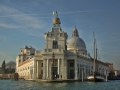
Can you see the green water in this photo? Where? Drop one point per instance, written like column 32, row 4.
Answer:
column 29, row 85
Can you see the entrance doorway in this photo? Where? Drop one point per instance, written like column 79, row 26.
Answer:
column 55, row 70
column 72, row 74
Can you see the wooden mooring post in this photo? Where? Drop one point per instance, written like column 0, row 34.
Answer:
column 82, row 76
column 106, row 76
column 15, row 76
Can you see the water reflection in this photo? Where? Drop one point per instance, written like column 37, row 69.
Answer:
column 29, row 85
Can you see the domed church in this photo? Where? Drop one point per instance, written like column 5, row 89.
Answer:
column 60, row 59
column 76, row 43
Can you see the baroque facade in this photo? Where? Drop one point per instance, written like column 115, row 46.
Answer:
column 70, row 57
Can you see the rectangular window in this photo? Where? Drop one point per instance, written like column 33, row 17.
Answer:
column 47, row 35
column 45, row 50
column 78, row 70
column 41, row 71
column 41, row 64
column 60, row 35
column 71, row 64
column 27, row 52
column 55, row 44
column 31, row 71
column 49, row 50
column 51, row 35
column 91, row 67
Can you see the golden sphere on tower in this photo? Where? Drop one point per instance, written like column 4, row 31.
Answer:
column 56, row 20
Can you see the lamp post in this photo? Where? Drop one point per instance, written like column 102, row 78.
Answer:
column 53, row 74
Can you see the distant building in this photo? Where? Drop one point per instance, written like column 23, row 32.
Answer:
column 117, row 72
column 26, row 53
column 69, row 60
column 111, row 68
column 23, row 59
column 1, row 71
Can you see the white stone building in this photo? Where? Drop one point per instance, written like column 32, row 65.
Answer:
column 71, row 57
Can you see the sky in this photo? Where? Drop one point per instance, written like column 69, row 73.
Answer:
column 24, row 22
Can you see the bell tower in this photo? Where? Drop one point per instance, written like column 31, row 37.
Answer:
column 55, row 39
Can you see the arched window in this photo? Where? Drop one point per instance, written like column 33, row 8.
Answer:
column 55, row 44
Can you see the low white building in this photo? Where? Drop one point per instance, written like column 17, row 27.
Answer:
column 69, row 60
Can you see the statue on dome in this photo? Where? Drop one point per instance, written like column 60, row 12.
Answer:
column 56, row 20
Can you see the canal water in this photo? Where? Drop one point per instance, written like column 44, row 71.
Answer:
column 30, row 85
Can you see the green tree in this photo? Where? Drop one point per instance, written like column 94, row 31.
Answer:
column 3, row 66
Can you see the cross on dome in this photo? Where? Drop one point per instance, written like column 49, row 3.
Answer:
column 75, row 32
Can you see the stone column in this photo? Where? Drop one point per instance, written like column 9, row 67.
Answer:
column 76, row 72
column 47, row 68
column 80, row 72
column 44, row 69
column 58, row 66
column 37, row 70
column 65, row 68
column 62, row 64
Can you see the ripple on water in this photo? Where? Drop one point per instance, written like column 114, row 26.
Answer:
column 29, row 85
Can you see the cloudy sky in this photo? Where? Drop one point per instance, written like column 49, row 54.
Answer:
column 24, row 22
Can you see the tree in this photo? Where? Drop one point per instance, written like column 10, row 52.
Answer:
column 3, row 65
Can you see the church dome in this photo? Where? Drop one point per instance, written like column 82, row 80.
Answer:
column 76, row 43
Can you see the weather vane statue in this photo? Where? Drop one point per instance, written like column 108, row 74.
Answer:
column 55, row 12
column 56, row 20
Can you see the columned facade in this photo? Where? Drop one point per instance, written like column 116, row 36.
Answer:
column 70, row 57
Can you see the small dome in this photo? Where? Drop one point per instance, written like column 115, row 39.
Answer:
column 56, row 20
column 25, row 47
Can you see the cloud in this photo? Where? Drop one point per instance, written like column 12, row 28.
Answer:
column 17, row 20
column 80, row 11
column 12, row 12
column 10, row 26
column 18, row 15
column 35, row 33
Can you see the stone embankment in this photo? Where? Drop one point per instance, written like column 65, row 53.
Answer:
column 13, row 76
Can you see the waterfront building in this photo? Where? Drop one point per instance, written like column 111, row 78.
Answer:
column 69, row 61
column 23, row 60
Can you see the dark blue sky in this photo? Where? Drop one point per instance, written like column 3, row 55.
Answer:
column 24, row 22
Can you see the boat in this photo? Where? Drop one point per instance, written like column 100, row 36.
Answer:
column 96, row 77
